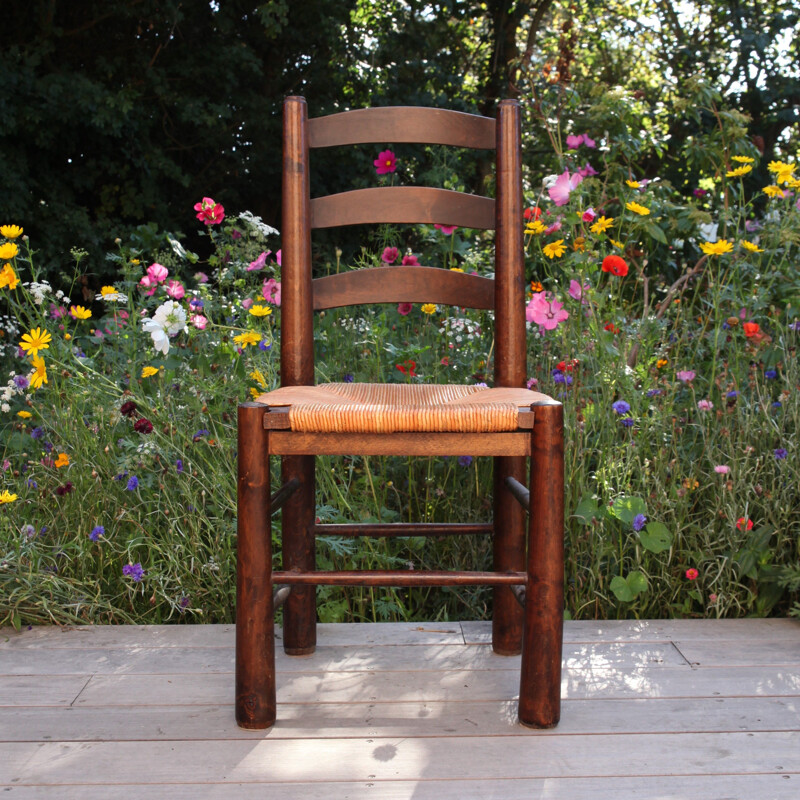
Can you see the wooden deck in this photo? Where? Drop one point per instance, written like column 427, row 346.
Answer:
column 659, row 709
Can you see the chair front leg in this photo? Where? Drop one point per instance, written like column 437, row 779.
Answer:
column 255, row 624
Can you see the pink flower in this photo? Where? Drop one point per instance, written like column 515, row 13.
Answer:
column 404, row 308
column 278, row 256
column 209, row 211
column 389, row 255
column 201, row 277
column 446, row 229
column 175, row 290
column 271, row 291
column 199, row 321
column 692, row 574
column 410, row 261
column 259, row 262
column 587, row 171
column 532, row 383
column 589, row 215
column 385, row 163
column 559, row 192
column 545, row 313
column 576, row 291
column 157, row 272
column 574, row 142
column 686, row 375
column 589, row 142
column 722, row 469
column 705, row 405
column 148, row 283
column 247, row 302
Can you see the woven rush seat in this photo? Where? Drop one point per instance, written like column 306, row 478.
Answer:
column 397, row 407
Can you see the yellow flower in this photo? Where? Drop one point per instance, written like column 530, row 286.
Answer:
column 40, row 372
column 11, row 231
column 8, row 250
column 738, row 172
column 602, row 224
column 260, row 311
column 753, row 248
column 246, row 338
column 35, row 341
column 536, row 287
column 743, row 159
column 5, row 497
column 579, row 244
column 637, row 209
column 782, row 170
column 716, row 248
column 535, row 226
column 8, row 277
column 661, row 363
column 24, row 414
column 774, row 191
column 254, row 392
column 554, row 249
column 148, row 372
column 258, row 376
column 428, row 308
column 617, row 244
column 62, row 460
column 79, row 312
column 456, row 269
column 67, row 337
column 634, row 184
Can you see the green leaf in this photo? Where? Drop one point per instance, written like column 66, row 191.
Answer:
column 626, row 508
column 637, row 582
column 587, row 508
column 627, row 589
column 655, row 537
column 656, row 232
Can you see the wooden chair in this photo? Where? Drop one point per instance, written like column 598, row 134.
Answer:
column 300, row 420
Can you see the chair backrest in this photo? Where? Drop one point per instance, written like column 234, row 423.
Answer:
column 301, row 295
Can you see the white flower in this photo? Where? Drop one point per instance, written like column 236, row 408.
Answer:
column 160, row 338
column 112, row 297
column 169, row 319
column 5, row 408
column 708, row 231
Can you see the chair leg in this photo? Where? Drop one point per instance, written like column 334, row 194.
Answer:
column 540, row 679
column 298, row 518
column 255, row 625
column 508, row 554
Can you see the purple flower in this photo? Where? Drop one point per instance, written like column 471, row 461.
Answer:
column 133, row 571
column 795, row 326
column 732, row 395
column 558, row 376
column 133, row 483
column 653, row 392
column 184, row 602
column 627, row 422
column 464, row 461
column 37, row 433
column 263, row 346
column 348, row 378
column 199, row 435
column 196, row 304
column 21, row 382
column 639, row 522
column 179, row 465
column 621, row 407
column 779, row 453
column 770, row 374
column 97, row 532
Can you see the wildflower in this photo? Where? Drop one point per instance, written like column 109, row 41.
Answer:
column 133, row 571
column 722, row 469
column 61, row 491
column 209, row 212
column 554, row 249
column 271, row 292
column 464, row 461
column 610, row 326
column 556, row 226
column 742, row 159
column 634, row 184
column 532, row 213
column 8, row 250
column 175, row 290
column 348, row 378
column 692, row 574
column 148, row 372
column 717, row 248
column 37, row 433
column 579, row 245
column 770, row 374
column 79, row 312
column 385, row 163
column 779, row 453
column 260, row 311
column 447, row 230
column 258, row 263
column 738, row 172
column 782, row 171
column 247, row 338
column 39, row 372
column 774, row 191
column 615, row 265
column 62, row 460
column 686, row 375
column 179, row 465
column 428, row 308
column 545, row 313
column 410, row 261
column 587, row 171
column 621, row 407
column 38, row 339
column 661, row 363
column 143, row 425
column 535, row 227
column 577, row 292
column 705, row 405
column 408, row 367
column 7, row 497
column 637, row 209
column 133, row 484
column 531, row 383
column 639, row 521
column 753, row 248
column 24, row 414
column 653, row 392
column 751, row 329
column 199, row 321
column 536, row 286
column 589, row 215
column 128, row 409
column 602, row 224
column 111, row 295
column 389, row 255
column 574, row 142
column 10, row 231
column 744, row 524
column 198, row 435
column 617, row 244
column 8, row 277
column 404, row 309
column 565, row 183
column 97, row 532
column 699, row 192
column 627, row 422
column 169, row 319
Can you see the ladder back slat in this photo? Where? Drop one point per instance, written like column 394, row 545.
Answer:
column 403, row 204
column 403, row 285
column 402, row 124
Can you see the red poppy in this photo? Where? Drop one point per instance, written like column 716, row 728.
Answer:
column 615, row 265
column 743, row 523
column 750, row 329
column 610, row 326
column 567, row 366
column 532, row 213
column 408, row 368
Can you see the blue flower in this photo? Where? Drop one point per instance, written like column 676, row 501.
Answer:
column 653, row 392
column 621, row 407
column 770, row 374
column 133, row 483
column 133, row 571
column 348, row 378
column 732, row 394
column 263, row 346
column 464, row 461
column 179, row 465
column 639, row 521
column 21, row 382
column 97, row 532
column 780, row 453
column 559, row 377
column 199, row 435
column 627, row 422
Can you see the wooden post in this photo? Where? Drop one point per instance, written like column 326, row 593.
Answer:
column 540, row 678
column 510, row 368
column 255, row 634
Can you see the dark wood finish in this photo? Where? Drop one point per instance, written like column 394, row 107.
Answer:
column 540, row 676
column 394, row 125
column 399, row 444
column 403, row 285
column 404, row 529
column 255, row 639
column 403, row 204
column 284, row 493
column 398, row 577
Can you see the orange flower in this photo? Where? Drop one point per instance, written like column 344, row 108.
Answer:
column 615, row 265
column 751, row 329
